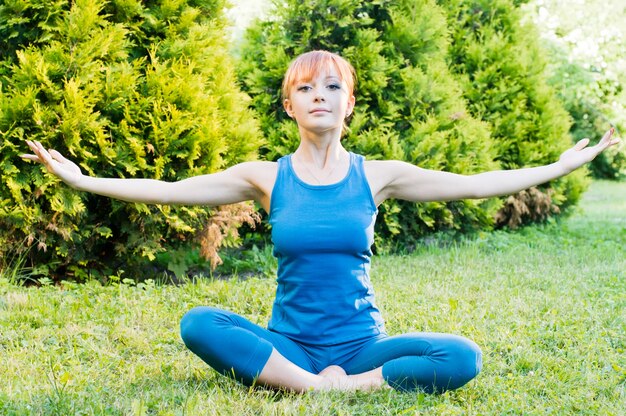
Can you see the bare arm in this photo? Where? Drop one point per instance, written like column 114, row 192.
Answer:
column 226, row 187
column 233, row 185
column 405, row 181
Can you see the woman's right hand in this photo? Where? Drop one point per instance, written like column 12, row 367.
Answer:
column 55, row 163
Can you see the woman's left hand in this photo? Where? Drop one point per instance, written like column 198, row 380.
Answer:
column 580, row 154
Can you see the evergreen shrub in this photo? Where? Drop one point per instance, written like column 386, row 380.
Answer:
column 503, row 72
column 409, row 105
column 126, row 89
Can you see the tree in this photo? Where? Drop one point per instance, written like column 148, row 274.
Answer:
column 409, row 106
column 127, row 89
column 502, row 70
column 588, row 69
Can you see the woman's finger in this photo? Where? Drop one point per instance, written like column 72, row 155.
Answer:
column 58, row 156
column 581, row 144
column 32, row 146
column 43, row 153
column 30, row 157
column 606, row 139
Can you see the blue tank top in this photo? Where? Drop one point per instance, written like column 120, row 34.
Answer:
column 322, row 239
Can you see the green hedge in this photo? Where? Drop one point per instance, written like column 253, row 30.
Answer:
column 503, row 73
column 127, row 89
column 409, row 106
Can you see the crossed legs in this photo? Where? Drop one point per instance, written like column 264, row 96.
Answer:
column 236, row 347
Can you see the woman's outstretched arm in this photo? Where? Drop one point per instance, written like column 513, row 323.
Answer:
column 409, row 182
column 233, row 185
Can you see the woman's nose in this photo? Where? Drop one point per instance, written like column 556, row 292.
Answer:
column 319, row 96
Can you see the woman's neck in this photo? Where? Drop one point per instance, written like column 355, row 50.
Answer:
column 320, row 151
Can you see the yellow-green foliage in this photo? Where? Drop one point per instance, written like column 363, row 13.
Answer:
column 127, row 89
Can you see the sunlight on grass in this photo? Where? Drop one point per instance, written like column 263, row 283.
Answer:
column 546, row 304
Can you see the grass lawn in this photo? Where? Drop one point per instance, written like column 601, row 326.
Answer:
column 546, row 304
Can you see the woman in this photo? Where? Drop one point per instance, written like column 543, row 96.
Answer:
column 325, row 331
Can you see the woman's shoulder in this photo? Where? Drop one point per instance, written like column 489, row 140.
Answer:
column 382, row 173
column 256, row 168
column 380, row 164
column 256, row 164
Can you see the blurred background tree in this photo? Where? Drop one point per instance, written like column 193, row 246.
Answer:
column 586, row 41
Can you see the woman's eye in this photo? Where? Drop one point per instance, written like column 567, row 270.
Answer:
column 304, row 88
column 334, row 86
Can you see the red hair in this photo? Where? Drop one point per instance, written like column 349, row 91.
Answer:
column 306, row 66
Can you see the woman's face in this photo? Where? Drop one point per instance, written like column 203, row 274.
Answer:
column 320, row 104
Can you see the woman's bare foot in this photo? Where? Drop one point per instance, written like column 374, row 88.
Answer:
column 369, row 381
column 332, row 371
column 335, row 378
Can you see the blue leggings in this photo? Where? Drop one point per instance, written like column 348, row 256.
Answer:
column 238, row 348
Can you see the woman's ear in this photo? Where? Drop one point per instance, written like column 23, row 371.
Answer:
column 350, row 108
column 287, row 107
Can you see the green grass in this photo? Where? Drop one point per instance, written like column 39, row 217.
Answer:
column 546, row 304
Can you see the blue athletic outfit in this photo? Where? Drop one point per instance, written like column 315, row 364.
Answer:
column 324, row 312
